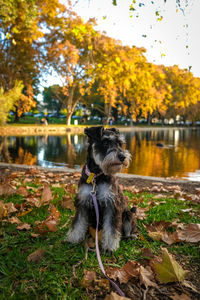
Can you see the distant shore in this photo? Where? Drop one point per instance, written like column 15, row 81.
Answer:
column 64, row 129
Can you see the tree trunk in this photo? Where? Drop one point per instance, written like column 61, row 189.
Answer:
column 16, row 119
column 149, row 119
column 68, row 118
column 107, row 112
column 71, row 105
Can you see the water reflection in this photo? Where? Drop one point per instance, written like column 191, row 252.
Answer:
column 180, row 156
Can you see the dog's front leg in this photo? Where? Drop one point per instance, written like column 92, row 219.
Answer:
column 79, row 227
column 111, row 230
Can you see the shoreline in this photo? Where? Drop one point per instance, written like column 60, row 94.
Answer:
column 138, row 181
column 21, row 130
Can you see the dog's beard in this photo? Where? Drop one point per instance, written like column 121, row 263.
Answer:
column 110, row 164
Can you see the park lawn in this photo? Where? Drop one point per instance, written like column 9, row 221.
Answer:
column 38, row 220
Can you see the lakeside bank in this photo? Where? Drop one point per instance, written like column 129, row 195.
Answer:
column 160, row 184
column 23, row 130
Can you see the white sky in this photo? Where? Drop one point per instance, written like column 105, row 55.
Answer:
column 169, row 36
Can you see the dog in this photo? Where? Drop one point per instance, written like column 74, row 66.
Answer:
column 105, row 157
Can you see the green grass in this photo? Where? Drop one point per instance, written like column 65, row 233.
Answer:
column 53, row 277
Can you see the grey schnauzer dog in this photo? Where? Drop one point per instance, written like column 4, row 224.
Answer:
column 105, row 158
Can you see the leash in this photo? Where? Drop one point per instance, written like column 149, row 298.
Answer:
column 91, row 179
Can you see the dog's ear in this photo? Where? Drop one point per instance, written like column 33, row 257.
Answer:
column 94, row 133
column 115, row 130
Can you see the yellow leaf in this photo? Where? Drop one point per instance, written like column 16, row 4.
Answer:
column 117, row 60
column 169, row 270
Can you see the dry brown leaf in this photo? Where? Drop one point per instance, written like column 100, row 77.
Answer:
column 114, row 296
column 88, row 277
column 170, row 238
column 46, row 195
column 22, row 191
column 124, row 274
column 92, row 232
column 146, row 277
column 14, row 220
column 190, row 286
column 7, row 189
column 10, row 208
column 51, row 225
column 159, row 196
column 176, row 296
column 158, row 233
column 36, row 256
column 146, row 252
column 24, row 226
column 34, row 235
column 156, row 236
column 140, row 213
column 34, row 201
column 68, row 202
column 189, row 233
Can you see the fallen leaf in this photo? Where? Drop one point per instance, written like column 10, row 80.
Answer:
column 168, row 270
column 189, row 233
column 7, row 189
column 92, row 231
column 3, row 211
column 34, row 235
column 88, row 277
column 170, row 238
column 158, row 233
column 124, row 274
column 24, row 226
column 10, row 208
column 190, row 286
column 34, row 201
column 36, row 256
column 181, row 296
column 68, row 203
column 114, row 296
column 14, row 220
column 140, row 213
column 146, row 277
column 25, row 212
column 46, row 195
column 51, row 225
column 22, row 191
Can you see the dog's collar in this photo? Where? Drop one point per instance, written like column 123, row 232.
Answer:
column 91, row 176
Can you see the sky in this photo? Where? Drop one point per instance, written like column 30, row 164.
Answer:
column 173, row 40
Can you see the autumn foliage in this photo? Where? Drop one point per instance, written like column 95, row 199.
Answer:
column 38, row 37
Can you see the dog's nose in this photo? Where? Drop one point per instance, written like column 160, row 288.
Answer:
column 121, row 157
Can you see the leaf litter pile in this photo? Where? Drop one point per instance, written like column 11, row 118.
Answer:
column 36, row 209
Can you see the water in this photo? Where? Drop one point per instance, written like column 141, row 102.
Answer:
column 180, row 156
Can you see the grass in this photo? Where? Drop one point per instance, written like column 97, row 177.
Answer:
column 56, row 275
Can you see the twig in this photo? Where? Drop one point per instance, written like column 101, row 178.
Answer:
column 145, row 294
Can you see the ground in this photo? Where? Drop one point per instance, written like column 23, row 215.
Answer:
column 36, row 209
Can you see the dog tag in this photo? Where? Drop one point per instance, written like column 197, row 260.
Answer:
column 90, row 177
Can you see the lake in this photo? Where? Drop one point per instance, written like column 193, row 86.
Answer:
column 179, row 158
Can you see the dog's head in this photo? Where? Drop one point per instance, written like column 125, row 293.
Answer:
column 107, row 149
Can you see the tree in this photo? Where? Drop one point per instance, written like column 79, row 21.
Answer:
column 70, row 54
column 53, row 98
column 8, row 99
column 185, row 90
column 114, row 68
column 22, row 30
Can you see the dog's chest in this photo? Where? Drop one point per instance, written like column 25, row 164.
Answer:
column 104, row 194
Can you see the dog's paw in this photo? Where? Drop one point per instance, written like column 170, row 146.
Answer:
column 110, row 244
